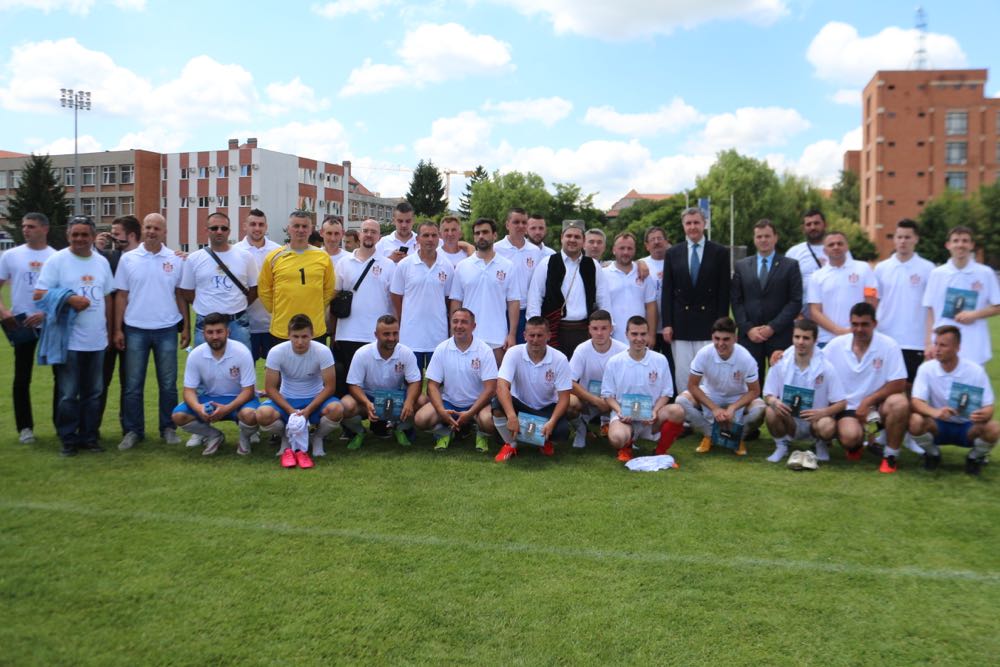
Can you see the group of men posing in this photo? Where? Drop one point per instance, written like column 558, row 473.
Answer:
column 511, row 337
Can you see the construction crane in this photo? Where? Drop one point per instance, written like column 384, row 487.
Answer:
column 448, row 173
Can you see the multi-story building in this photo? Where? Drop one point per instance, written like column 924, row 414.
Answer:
column 925, row 131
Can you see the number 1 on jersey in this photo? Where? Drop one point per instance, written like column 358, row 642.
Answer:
column 302, row 275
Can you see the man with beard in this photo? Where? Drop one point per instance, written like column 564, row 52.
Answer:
column 536, row 233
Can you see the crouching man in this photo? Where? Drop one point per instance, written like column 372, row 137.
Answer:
column 638, row 388
column 586, row 367
column 953, row 401
column 219, row 384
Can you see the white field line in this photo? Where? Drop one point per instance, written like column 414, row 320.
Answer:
column 715, row 561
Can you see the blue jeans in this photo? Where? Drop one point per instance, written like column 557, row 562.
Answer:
column 138, row 344
column 79, row 382
column 260, row 345
column 239, row 330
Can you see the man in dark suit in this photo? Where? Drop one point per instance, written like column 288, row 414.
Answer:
column 695, row 292
column 766, row 296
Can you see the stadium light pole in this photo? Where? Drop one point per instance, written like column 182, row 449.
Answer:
column 76, row 100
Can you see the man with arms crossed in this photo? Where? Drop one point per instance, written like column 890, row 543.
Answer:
column 256, row 242
column 219, row 384
column 461, row 380
column 535, row 379
column 722, row 386
column 871, row 371
column 835, row 288
column 639, row 371
column 586, row 368
column 300, row 379
column 953, row 401
column 803, row 395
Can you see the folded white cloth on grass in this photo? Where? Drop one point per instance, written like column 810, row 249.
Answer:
column 651, row 463
column 297, row 432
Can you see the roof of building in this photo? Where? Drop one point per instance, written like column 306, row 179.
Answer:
column 12, row 154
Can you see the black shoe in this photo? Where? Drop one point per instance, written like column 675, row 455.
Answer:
column 92, row 447
column 877, row 449
column 68, row 450
column 973, row 466
column 752, row 435
column 931, row 462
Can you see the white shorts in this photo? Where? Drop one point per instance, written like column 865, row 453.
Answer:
column 640, row 431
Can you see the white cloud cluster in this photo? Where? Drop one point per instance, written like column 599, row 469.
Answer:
column 334, row 10
column 292, row 96
column 78, row 7
column 627, row 19
column 545, row 110
column 324, row 140
column 838, row 53
column 673, row 117
column 432, row 53
column 750, row 128
column 847, row 96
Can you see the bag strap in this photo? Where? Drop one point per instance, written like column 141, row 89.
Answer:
column 818, row 263
column 222, row 265
column 363, row 274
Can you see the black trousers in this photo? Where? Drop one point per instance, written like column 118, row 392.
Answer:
column 111, row 355
column 343, row 355
column 24, row 366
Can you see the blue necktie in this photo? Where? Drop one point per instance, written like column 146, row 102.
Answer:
column 695, row 264
column 762, row 276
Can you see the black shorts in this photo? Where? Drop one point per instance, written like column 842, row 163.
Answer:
column 912, row 359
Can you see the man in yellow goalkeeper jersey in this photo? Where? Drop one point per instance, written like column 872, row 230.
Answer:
column 296, row 278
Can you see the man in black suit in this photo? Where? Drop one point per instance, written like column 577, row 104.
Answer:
column 766, row 296
column 695, row 292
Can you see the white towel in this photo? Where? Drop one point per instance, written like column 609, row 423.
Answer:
column 651, row 463
column 297, row 432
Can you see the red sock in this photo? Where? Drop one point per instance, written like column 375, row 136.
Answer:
column 668, row 433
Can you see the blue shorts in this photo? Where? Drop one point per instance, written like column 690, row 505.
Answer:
column 205, row 399
column 953, row 433
column 298, row 404
column 454, row 408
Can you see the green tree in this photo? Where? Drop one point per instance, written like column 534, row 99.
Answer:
column 465, row 203
column 493, row 197
column 947, row 210
column 569, row 203
column 40, row 192
column 846, row 197
column 857, row 240
column 989, row 203
column 755, row 190
column 640, row 216
column 426, row 193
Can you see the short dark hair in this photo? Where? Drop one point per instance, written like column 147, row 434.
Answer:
column 386, row 320
column 404, row 207
column 486, row 221
column 535, row 216
column 960, row 229
column 599, row 315
column 352, row 233
column 537, row 321
column 814, row 211
column 515, row 209
column 805, row 324
column 219, row 318
column 35, row 216
column 653, row 230
column 907, row 223
column 834, row 232
column 764, row 222
column 298, row 213
column 426, row 223
column 693, row 210
column 862, row 309
column 130, row 224
column 333, row 220
column 257, row 213
column 463, row 309
column 217, row 214
column 82, row 220
column 637, row 320
column 315, row 238
column 949, row 329
column 619, row 235
column 724, row 325
column 300, row 322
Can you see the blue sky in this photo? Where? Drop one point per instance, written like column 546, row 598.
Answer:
column 608, row 95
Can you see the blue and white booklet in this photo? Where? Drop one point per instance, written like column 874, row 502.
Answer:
column 965, row 399
column 727, row 436
column 529, row 429
column 594, row 387
column 637, row 406
column 797, row 398
column 958, row 300
column 388, row 403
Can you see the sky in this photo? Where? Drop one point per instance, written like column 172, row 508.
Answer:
column 608, row 95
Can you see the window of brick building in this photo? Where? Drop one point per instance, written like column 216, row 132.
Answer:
column 955, row 180
column 956, row 152
column 956, row 123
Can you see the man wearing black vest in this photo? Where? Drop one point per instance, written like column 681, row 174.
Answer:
column 566, row 288
column 696, row 285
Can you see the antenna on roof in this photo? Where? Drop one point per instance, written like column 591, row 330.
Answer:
column 920, row 57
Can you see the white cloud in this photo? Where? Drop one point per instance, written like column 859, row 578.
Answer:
column 839, row 54
column 385, row 178
column 667, row 118
column 546, row 110
column 86, row 144
column 79, row 7
column 320, row 140
column 205, row 90
column 333, row 10
column 847, row 96
column 398, row 148
column 822, row 161
column 458, row 142
column 628, row 19
column 750, row 127
column 157, row 139
column 292, row 96
column 432, row 53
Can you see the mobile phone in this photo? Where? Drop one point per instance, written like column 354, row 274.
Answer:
column 404, row 249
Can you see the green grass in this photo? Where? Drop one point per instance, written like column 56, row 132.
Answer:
column 386, row 555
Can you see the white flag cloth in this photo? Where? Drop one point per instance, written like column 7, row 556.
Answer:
column 651, row 463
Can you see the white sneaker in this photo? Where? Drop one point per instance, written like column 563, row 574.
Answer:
column 911, row 443
column 580, row 438
column 780, row 452
column 129, row 441
column 243, row 446
column 795, row 460
column 254, row 439
column 213, row 444
column 170, row 436
column 808, row 461
column 26, row 436
column 822, row 450
column 195, row 441
column 317, row 446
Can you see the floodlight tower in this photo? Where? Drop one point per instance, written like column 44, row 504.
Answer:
column 76, row 100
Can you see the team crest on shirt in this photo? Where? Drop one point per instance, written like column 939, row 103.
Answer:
column 376, row 270
column 977, row 286
column 399, row 367
column 35, row 265
column 877, row 364
column 639, row 281
column 530, row 262
column 501, row 275
column 819, row 380
column 476, row 364
column 87, row 280
column 737, row 376
column 853, row 278
column 167, row 267
column 442, row 276
column 234, row 371
column 915, row 279
column 653, row 377
column 550, row 376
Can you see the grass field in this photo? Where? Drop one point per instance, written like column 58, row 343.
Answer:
column 384, row 555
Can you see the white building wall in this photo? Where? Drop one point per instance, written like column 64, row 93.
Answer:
column 173, row 195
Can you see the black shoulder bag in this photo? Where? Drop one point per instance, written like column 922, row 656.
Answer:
column 340, row 306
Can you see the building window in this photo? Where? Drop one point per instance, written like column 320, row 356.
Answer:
column 202, row 202
column 69, row 176
column 223, row 200
column 956, row 123
column 126, row 206
column 127, row 173
column 89, row 206
column 244, row 200
column 956, row 152
column 108, row 207
column 15, row 179
column 955, row 180
column 163, row 203
column 184, row 202
column 3, row 179
column 184, row 173
column 202, row 172
column 109, row 175
column 89, row 175
column 223, row 171
column 244, row 170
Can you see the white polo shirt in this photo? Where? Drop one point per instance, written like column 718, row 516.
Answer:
column 21, row 266
column 453, row 257
column 536, row 385
column 462, row 373
column 214, row 292
column 587, row 364
column 89, row 277
column 389, row 244
column 933, row 384
column 724, row 380
column 838, row 288
column 819, row 375
column 627, row 296
column 260, row 319
column 901, row 288
column 151, row 281
column 301, row 374
column 485, row 288
column 572, row 289
column 371, row 301
column 649, row 376
column 655, row 272
column 975, row 277
column 546, row 251
column 808, row 265
column 220, row 377
column 524, row 259
column 425, row 289
column 370, row 371
column 882, row 363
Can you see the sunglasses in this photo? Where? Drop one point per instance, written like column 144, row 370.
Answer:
column 218, row 228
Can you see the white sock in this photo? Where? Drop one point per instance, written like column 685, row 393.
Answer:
column 580, row 438
column 501, row 425
column 780, row 449
column 325, row 427
column 911, row 443
column 980, row 448
column 889, row 451
column 822, row 450
column 354, row 424
column 200, row 428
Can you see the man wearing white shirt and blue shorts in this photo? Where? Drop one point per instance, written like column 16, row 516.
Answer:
column 219, row 384
column 953, row 401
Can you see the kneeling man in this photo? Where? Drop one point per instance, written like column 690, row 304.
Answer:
column 638, row 388
column 953, row 401
column 300, row 380
column 219, row 384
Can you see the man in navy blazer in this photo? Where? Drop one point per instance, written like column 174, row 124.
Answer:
column 695, row 293
column 766, row 296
